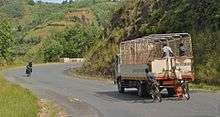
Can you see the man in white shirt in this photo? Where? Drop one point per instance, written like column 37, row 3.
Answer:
column 167, row 51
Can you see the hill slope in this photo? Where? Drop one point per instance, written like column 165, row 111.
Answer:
column 34, row 24
column 138, row 18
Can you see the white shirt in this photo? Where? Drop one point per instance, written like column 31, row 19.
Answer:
column 167, row 50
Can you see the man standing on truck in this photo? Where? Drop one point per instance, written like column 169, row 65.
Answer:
column 182, row 49
column 167, row 51
column 153, row 85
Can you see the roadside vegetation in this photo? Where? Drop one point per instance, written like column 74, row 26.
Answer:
column 143, row 17
column 16, row 101
column 204, row 86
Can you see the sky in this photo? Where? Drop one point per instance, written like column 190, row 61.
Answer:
column 54, row 1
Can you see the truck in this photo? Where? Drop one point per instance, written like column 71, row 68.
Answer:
column 139, row 54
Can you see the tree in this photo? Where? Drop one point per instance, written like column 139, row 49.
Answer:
column 31, row 2
column 52, row 50
column 64, row 2
column 70, row 1
column 6, row 41
column 13, row 9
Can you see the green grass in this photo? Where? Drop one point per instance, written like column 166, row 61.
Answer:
column 16, row 101
column 205, row 86
column 44, row 31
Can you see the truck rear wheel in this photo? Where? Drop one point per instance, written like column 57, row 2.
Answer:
column 171, row 91
column 120, row 88
column 141, row 90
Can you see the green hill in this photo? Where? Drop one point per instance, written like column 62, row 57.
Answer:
column 34, row 23
column 139, row 18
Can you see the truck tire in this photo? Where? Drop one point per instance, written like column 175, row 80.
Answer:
column 141, row 90
column 171, row 91
column 120, row 88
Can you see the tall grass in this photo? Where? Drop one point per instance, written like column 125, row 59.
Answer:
column 16, row 101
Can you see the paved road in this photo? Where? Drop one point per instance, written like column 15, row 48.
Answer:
column 89, row 98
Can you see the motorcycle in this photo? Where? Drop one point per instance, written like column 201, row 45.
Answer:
column 28, row 71
column 184, row 89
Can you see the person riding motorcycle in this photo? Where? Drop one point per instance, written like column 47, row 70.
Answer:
column 29, row 69
column 150, row 75
column 153, row 85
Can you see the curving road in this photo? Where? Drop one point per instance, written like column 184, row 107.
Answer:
column 89, row 98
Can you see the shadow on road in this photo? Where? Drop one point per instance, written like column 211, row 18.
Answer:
column 131, row 96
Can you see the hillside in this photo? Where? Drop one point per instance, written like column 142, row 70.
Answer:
column 139, row 18
column 33, row 24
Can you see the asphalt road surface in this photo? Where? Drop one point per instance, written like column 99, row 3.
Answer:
column 90, row 98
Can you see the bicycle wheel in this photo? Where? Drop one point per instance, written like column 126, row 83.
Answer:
column 156, row 93
column 186, row 91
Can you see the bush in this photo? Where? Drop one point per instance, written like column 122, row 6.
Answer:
column 207, row 57
column 6, row 41
column 48, row 50
column 35, row 54
column 52, row 50
column 13, row 9
column 103, row 12
column 31, row 2
column 78, row 39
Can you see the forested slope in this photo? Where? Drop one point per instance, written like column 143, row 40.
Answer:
column 139, row 18
column 43, row 32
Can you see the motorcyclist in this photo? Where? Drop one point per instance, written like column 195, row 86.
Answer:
column 150, row 75
column 151, row 81
column 29, row 68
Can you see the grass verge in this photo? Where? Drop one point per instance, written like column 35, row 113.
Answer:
column 16, row 101
column 204, row 86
